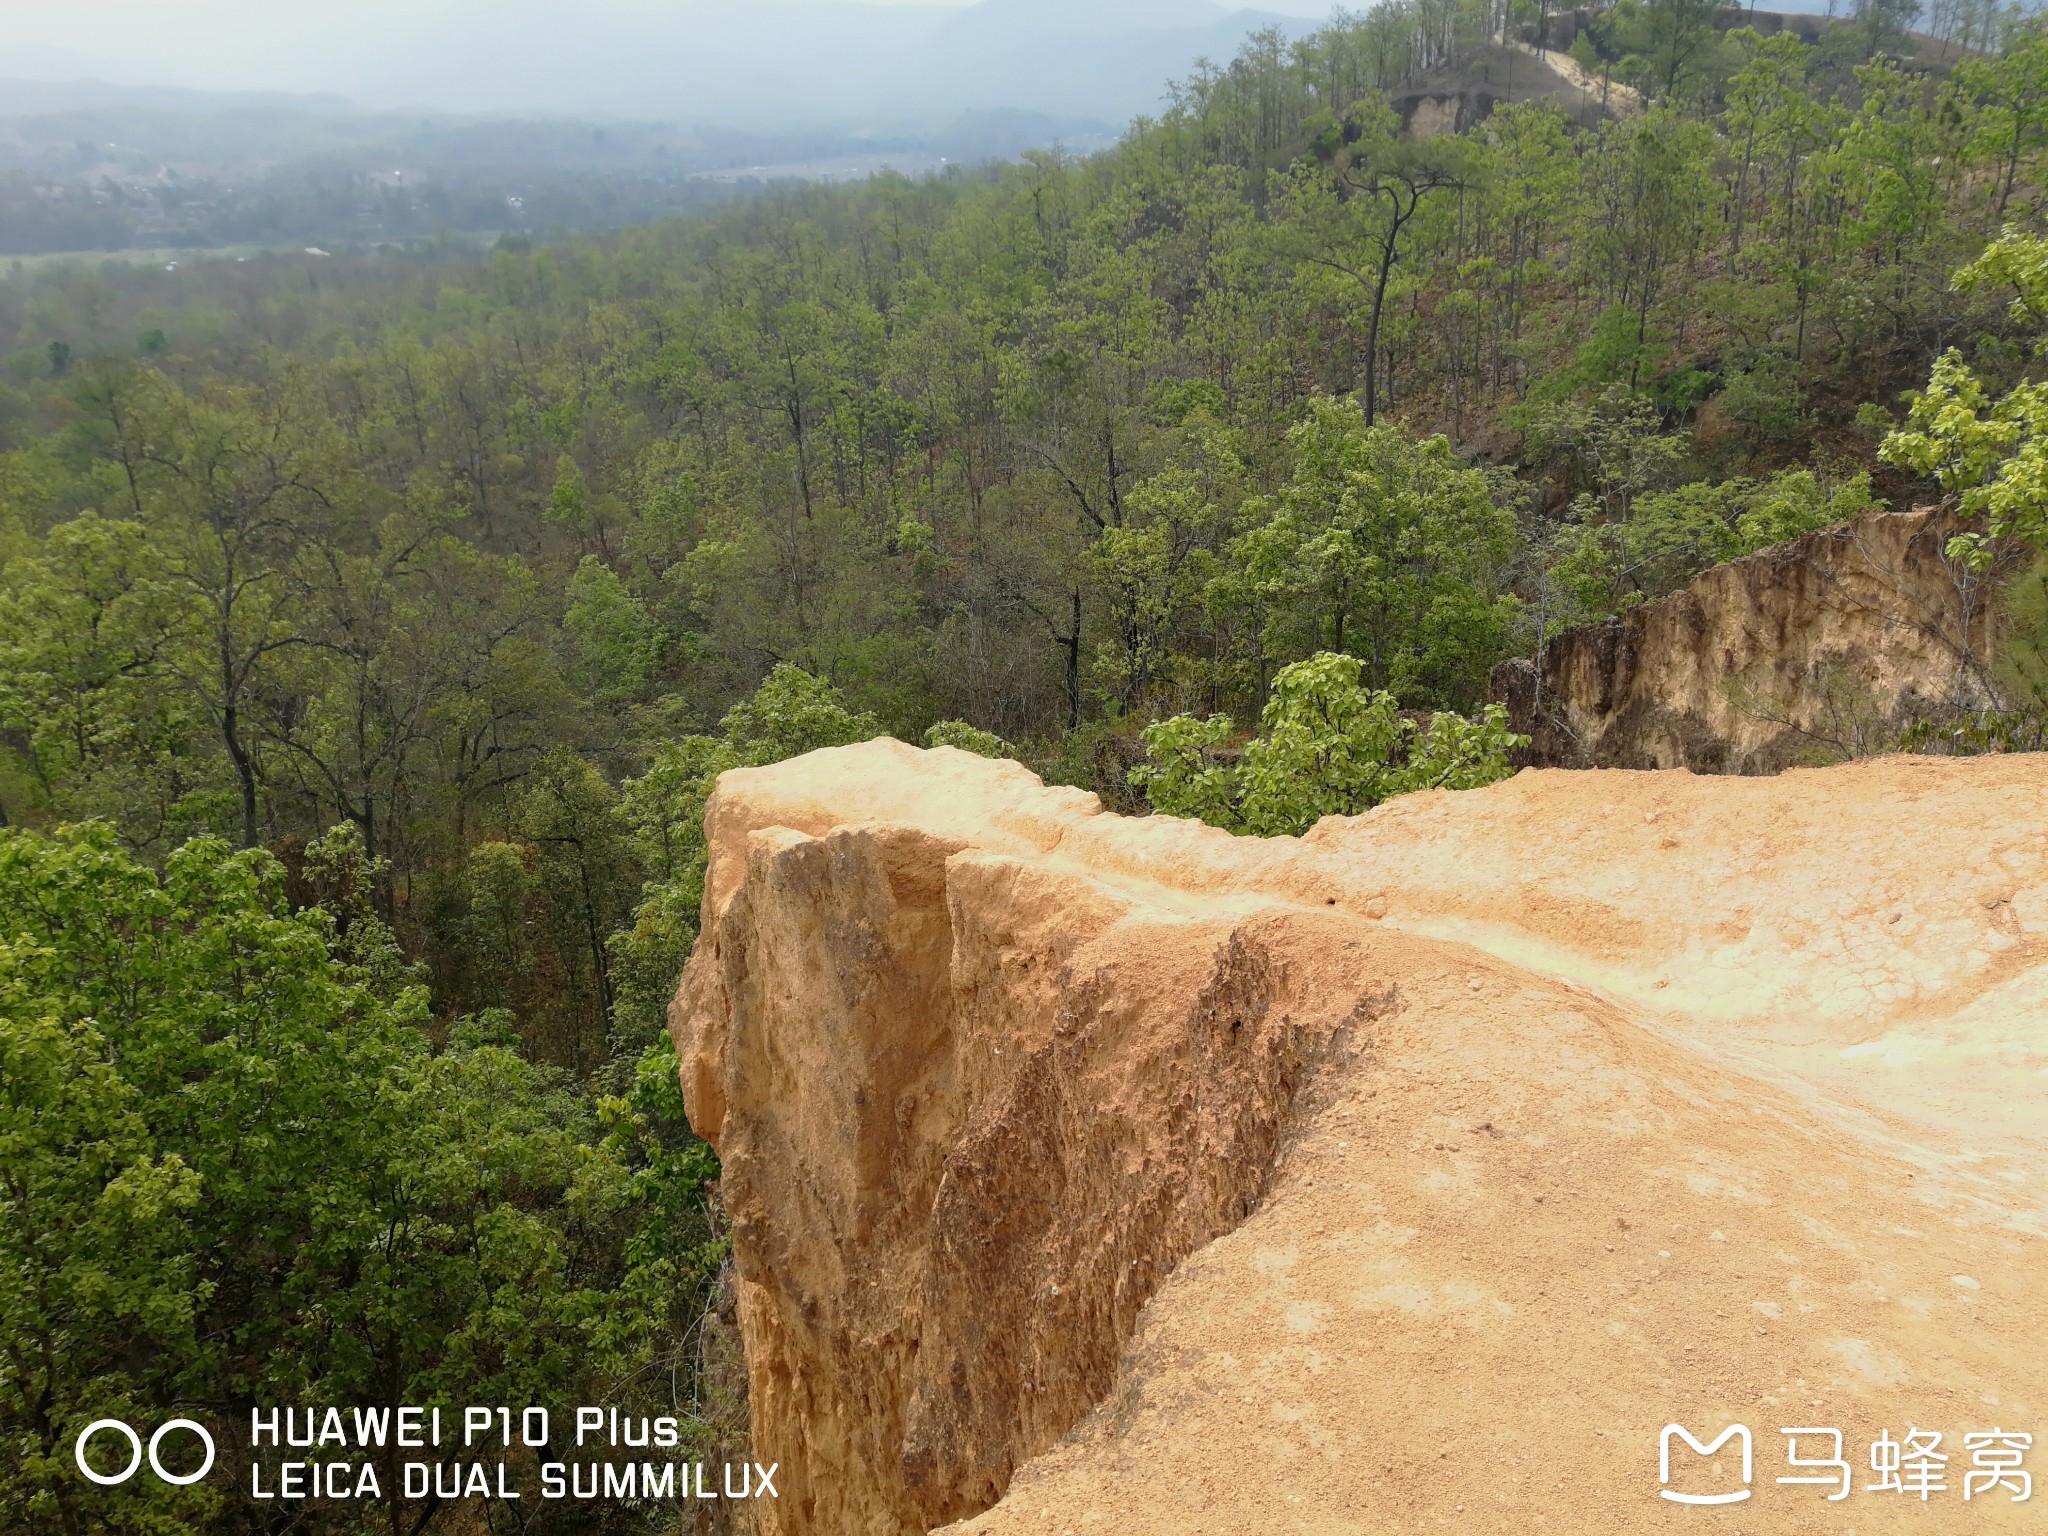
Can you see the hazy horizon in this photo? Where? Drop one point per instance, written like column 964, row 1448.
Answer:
column 782, row 61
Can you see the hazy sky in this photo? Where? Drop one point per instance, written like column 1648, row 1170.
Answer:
column 703, row 60
column 76, row 22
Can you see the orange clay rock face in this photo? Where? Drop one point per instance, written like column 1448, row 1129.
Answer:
column 1101, row 1175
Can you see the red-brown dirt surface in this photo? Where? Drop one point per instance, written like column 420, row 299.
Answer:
column 1108, row 1176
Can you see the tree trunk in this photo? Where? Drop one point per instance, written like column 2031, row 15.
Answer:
column 1072, row 642
column 245, row 770
column 1372, row 339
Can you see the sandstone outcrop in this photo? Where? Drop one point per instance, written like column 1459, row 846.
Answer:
column 1098, row 1174
column 1810, row 651
column 1454, row 99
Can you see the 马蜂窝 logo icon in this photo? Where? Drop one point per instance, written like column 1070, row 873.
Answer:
column 1732, row 1432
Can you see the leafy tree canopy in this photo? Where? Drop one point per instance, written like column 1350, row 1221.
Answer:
column 1327, row 745
column 1989, row 449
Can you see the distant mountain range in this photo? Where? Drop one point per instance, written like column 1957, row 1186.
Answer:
column 755, row 64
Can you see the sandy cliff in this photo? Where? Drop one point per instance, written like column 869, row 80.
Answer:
column 1103, row 1175
column 1808, row 651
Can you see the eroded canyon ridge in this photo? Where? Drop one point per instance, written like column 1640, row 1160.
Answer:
column 1105, row 1175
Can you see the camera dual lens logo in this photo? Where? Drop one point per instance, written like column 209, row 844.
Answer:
column 109, row 1480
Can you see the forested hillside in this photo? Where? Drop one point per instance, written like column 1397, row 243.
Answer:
column 431, row 593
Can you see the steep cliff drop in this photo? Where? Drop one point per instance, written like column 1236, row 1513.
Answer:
column 1100, row 1175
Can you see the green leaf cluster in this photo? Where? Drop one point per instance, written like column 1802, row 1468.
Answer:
column 1382, row 546
column 1327, row 745
column 968, row 738
column 663, row 811
column 1990, row 450
column 235, row 1169
column 1604, row 568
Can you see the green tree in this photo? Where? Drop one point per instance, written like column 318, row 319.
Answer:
column 97, row 1267
column 1767, row 83
column 1352, row 210
column 662, row 811
column 1881, row 24
column 1150, row 571
column 1989, row 451
column 968, row 738
column 1327, row 746
column 236, row 1173
column 92, row 637
column 611, row 628
column 1386, row 546
column 231, row 487
column 1673, row 39
column 2010, row 90
column 1606, row 568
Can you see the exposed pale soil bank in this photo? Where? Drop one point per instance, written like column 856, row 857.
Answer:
column 1811, row 650
column 1131, row 1178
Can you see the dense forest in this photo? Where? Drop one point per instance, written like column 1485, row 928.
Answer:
column 372, row 630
